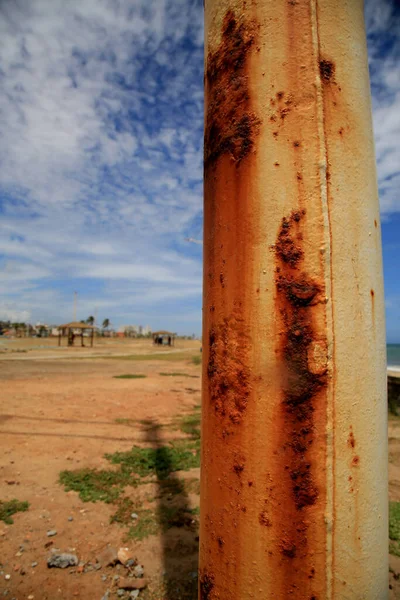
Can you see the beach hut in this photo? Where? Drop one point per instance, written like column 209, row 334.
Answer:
column 71, row 330
column 161, row 338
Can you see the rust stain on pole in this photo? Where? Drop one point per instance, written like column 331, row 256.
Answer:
column 291, row 308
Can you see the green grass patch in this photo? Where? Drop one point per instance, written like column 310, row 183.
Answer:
column 394, row 528
column 130, row 376
column 147, row 524
column 190, row 424
column 10, row 508
column 196, row 359
column 178, row 375
column 95, row 484
column 178, row 456
column 105, row 485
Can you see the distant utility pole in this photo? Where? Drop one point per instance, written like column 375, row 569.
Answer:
column 294, row 432
column 75, row 302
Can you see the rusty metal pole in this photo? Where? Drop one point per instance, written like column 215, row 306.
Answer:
column 294, row 436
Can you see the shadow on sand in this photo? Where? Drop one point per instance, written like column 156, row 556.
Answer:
column 179, row 528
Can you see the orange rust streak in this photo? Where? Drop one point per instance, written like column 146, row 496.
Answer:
column 230, row 132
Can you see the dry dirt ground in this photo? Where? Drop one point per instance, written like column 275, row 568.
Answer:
column 64, row 414
column 63, row 410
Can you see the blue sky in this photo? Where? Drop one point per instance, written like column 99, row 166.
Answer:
column 101, row 118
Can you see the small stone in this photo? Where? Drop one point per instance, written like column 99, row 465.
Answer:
column 131, row 562
column 51, row 533
column 104, row 577
column 120, row 593
column 132, row 584
column 31, row 597
column 138, row 571
column 34, row 564
column 134, row 516
column 106, row 595
column 97, row 567
column 70, row 518
column 116, row 577
column 134, row 594
column 22, row 571
column 108, row 557
column 124, row 554
column 62, row 561
column 7, row 577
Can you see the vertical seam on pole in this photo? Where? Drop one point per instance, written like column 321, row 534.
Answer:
column 330, row 416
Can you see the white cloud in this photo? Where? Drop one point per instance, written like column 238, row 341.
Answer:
column 101, row 117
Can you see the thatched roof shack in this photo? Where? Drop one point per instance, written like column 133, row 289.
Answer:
column 162, row 336
column 75, row 328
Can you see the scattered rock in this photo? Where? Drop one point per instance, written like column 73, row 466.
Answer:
column 127, row 583
column 124, row 554
column 22, row 571
column 134, row 594
column 70, row 518
column 48, row 544
column 106, row 595
column 7, row 577
column 131, row 562
column 62, row 561
column 116, row 577
column 34, row 564
column 134, row 516
column 51, row 533
column 104, row 577
column 108, row 557
column 138, row 571
column 31, row 597
column 120, row 593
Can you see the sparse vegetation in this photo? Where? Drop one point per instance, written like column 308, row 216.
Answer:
column 394, row 528
column 190, row 424
column 95, row 484
column 10, row 508
column 196, row 359
column 147, row 524
column 178, row 375
column 177, row 456
column 130, row 376
column 125, row 421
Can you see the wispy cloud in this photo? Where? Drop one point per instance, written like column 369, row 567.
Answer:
column 101, row 118
column 101, row 179
column 383, row 28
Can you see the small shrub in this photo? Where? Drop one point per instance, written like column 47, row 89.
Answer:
column 11, row 507
column 196, row 359
column 130, row 376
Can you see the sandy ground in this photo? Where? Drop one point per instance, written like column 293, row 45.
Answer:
column 59, row 410
column 61, row 414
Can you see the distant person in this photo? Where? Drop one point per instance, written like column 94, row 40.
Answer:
column 169, row 340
